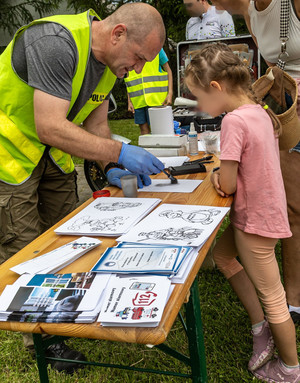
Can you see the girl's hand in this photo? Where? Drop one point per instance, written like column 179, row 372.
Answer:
column 214, row 178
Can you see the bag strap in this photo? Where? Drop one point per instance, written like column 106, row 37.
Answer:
column 284, row 32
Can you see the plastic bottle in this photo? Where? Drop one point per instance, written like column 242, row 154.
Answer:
column 193, row 140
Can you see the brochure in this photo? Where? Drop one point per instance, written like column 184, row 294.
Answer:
column 53, row 298
column 138, row 260
column 184, row 252
column 136, row 301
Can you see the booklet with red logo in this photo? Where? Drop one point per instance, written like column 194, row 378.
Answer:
column 137, row 301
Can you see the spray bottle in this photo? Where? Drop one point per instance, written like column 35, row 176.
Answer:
column 193, row 140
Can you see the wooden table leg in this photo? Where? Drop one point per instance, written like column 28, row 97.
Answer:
column 195, row 336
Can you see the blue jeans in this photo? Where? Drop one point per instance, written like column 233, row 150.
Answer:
column 141, row 116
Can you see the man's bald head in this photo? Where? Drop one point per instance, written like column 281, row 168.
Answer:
column 140, row 19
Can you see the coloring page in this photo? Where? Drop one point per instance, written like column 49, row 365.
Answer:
column 183, row 225
column 108, row 216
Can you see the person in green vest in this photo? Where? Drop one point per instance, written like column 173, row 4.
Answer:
column 56, row 78
column 152, row 87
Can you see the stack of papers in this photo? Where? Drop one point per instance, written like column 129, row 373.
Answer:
column 54, row 298
column 182, row 225
column 183, row 265
column 161, row 261
column 137, row 301
column 57, row 259
column 108, row 216
column 131, row 258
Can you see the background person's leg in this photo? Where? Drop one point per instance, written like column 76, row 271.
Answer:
column 145, row 129
column 290, row 167
column 142, row 119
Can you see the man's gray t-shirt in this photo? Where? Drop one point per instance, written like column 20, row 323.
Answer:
column 45, row 57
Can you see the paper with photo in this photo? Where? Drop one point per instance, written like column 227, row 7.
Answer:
column 73, row 297
column 182, row 225
column 164, row 186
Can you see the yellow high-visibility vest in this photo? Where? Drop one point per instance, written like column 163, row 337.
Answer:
column 150, row 87
column 20, row 147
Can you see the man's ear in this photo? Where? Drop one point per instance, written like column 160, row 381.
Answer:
column 215, row 85
column 118, row 32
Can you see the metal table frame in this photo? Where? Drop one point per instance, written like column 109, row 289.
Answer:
column 192, row 327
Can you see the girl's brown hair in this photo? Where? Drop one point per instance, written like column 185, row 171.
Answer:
column 217, row 62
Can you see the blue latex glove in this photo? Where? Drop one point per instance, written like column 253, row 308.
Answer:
column 139, row 161
column 113, row 176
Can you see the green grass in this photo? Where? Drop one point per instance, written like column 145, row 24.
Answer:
column 226, row 333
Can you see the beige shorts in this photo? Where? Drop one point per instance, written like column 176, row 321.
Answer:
column 28, row 209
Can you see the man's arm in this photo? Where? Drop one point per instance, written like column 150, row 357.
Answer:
column 54, row 129
column 96, row 123
column 169, row 98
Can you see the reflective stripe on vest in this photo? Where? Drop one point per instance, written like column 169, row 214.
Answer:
column 20, row 147
column 150, row 87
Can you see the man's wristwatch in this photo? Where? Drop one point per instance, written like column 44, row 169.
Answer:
column 216, row 169
column 111, row 165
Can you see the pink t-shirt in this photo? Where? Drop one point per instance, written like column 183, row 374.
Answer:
column 259, row 204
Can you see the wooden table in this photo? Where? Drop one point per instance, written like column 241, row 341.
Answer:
column 203, row 195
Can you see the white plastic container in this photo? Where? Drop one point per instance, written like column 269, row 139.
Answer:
column 193, row 140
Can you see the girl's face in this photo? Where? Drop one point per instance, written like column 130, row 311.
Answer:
column 212, row 101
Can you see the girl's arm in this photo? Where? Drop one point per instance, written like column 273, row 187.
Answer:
column 224, row 180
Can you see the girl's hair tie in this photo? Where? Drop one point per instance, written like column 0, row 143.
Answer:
column 266, row 106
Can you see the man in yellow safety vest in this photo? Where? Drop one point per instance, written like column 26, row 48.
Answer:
column 56, row 74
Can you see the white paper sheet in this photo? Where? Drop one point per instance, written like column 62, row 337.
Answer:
column 58, row 258
column 182, row 225
column 173, row 161
column 165, row 186
column 201, row 146
column 108, row 216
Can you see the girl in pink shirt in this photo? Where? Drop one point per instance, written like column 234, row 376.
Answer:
column 250, row 170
